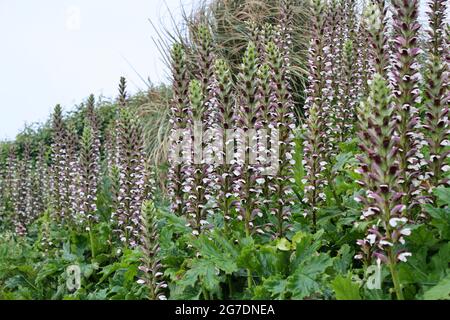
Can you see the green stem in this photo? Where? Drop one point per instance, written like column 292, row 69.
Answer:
column 230, row 287
column 205, row 293
column 91, row 238
column 394, row 275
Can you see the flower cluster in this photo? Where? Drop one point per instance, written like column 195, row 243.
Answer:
column 131, row 165
column 59, row 178
column 150, row 263
column 280, row 123
column 246, row 170
column 314, row 143
column 380, row 169
column 436, row 99
column 406, row 96
column 226, row 111
column 7, row 183
column 178, row 121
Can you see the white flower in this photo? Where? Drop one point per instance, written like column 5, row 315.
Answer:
column 386, row 243
column 372, row 238
column 394, row 221
column 140, row 281
column 406, row 232
column 404, row 256
column 369, row 212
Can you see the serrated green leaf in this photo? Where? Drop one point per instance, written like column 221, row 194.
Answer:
column 345, row 289
column 305, row 280
column 276, row 286
column 441, row 291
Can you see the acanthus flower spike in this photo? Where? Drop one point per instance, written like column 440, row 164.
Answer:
column 179, row 121
column 436, row 99
column 151, row 265
column 406, row 96
column 380, row 170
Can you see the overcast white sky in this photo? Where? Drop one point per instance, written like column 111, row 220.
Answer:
column 61, row 51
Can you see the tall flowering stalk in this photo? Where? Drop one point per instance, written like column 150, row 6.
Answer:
column 179, row 121
column 210, row 115
column 10, row 167
column 226, row 122
column 131, row 165
column 332, row 103
column 268, row 150
column 349, row 93
column 150, row 263
column 341, row 71
column 364, row 56
column 43, row 179
column 196, row 174
column 3, row 189
column 436, row 90
column 89, row 168
column 246, row 170
column 283, row 36
column 314, row 144
column 58, row 168
column 72, row 173
column 93, row 122
column 112, row 165
column 88, row 186
column 350, row 70
column 380, row 169
column 375, row 20
column 405, row 73
column 282, row 123
column 204, row 57
column 22, row 193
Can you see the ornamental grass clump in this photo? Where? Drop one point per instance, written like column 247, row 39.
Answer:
column 381, row 170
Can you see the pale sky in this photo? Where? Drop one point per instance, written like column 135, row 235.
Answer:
column 61, row 51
